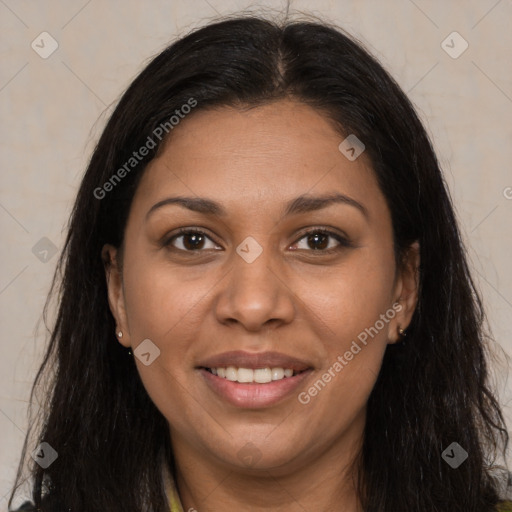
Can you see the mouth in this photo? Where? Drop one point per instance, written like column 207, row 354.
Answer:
column 240, row 387
column 257, row 375
column 252, row 379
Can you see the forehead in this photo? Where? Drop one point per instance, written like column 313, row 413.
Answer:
column 284, row 130
column 257, row 156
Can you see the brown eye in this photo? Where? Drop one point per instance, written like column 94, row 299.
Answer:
column 190, row 240
column 193, row 241
column 320, row 241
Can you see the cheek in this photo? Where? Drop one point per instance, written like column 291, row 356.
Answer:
column 159, row 301
column 348, row 306
column 350, row 298
column 161, row 307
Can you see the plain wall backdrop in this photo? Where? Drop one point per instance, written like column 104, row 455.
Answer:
column 53, row 107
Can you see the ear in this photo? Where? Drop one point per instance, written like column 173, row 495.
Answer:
column 114, row 277
column 405, row 292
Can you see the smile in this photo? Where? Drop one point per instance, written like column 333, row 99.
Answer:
column 253, row 388
column 259, row 375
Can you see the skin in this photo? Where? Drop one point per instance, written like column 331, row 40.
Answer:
column 292, row 298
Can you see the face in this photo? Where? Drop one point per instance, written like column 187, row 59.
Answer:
column 267, row 275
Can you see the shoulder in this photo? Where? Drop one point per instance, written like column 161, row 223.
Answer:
column 26, row 507
column 48, row 506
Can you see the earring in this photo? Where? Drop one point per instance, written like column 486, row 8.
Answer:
column 120, row 334
column 401, row 332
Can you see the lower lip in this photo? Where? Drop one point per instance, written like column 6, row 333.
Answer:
column 253, row 395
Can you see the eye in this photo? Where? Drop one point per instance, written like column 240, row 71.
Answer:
column 317, row 240
column 192, row 240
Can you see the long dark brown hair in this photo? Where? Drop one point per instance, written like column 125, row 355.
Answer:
column 111, row 439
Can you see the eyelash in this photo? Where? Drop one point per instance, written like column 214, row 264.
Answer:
column 343, row 242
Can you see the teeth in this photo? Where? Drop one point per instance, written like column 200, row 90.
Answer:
column 231, row 373
column 260, row 375
column 245, row 375
column 277, row 373
column 263, row 375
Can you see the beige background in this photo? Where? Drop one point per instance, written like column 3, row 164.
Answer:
column 52, row 111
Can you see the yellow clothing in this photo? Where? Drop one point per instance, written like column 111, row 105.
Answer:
column 174, row 500
column 172, row 494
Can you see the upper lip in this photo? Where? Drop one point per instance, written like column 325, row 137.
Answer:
column 254, row 360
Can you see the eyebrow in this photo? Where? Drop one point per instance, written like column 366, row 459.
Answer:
column 301, row 204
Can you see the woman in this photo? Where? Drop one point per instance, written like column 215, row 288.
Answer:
column 265, row 299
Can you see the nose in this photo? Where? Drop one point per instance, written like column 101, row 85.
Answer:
column 255, row 293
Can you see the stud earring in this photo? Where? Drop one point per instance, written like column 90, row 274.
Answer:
column 401, row 332
column 120, row 334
